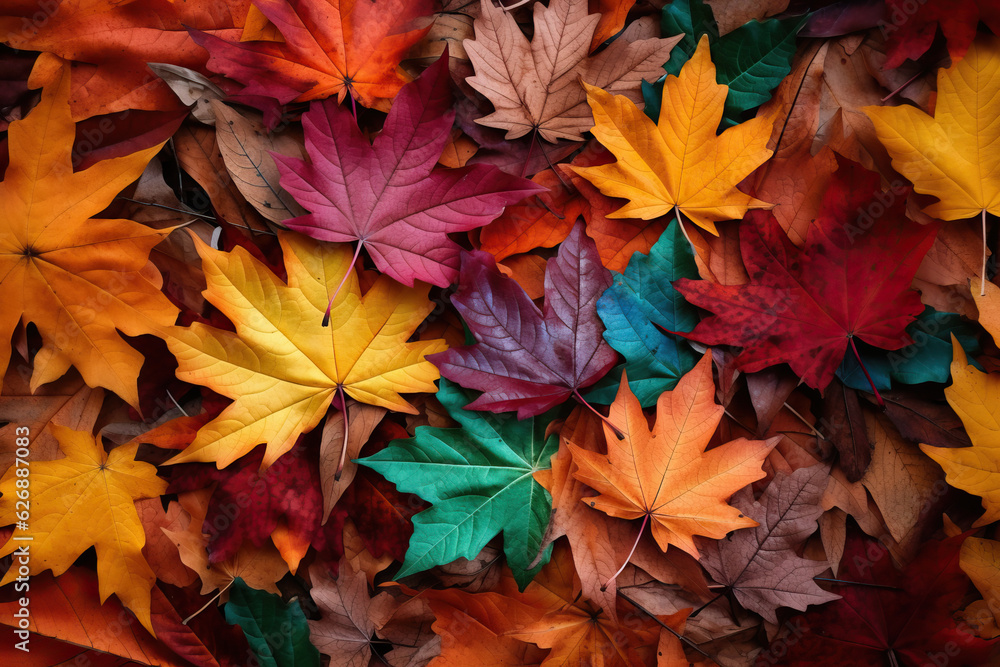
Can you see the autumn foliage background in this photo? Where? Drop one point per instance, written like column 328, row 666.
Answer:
column 579, row 332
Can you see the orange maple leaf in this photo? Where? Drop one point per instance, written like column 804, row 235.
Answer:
column 331, row 47
column 77, row 279
column 666, row 474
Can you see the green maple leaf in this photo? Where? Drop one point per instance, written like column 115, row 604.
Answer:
column 478, row 479
column 752, row 60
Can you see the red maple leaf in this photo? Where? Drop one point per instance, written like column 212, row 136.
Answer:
column 889, row 617
column 803, row 306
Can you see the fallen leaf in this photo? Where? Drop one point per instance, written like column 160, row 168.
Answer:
column 347, row 623
column 974, row 397
column 277, row 632
column 804, row 307
column 331, row 48
column 679, row 163
column 478, row 481
column 271, row 315
column 760, row 564
column 388, row 196
column 77, row 279
column 75, row 499
column 524, row 358
column 665, row 474
column 952, row 154
column 535, row 87
column 245, row 145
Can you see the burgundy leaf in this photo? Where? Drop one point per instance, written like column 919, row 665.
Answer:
column 526, row 359
column 388, row 194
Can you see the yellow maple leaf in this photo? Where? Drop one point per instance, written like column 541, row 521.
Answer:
column 679, row 162
column 84, row 500
column 955, row 154
column 666, row 474
column 77, row 279
column 282, row 367
column 974, row 395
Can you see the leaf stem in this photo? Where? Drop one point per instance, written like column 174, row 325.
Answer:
column 677, row 212
column 354, row 260
column 527, row 158
column 858, row 583
column 878, row 396
column 347, row 430
column 908, row 82
column 576, row 392
column 693, row 646
column 614, row 576
column 205, row 606
column 982, row 281
column 702, row 607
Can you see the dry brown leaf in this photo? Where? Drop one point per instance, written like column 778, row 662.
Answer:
column 536, row 86
column 244, row 143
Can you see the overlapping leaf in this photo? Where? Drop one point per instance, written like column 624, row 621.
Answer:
column 282, row 367
column 330, row 47
column 526, row 359
column 388, row 196
column 679, row 162
column 479, row 482
column 84, row 500
column 536, row 87
column 804, row 306
column 77, row 279
column 665, row 474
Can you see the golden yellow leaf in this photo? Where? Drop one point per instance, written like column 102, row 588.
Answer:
column 980, row 559
column 975, row 396
column 281, row 367
column 76, row 278
column 84, row 500
column 954, row 155
column 666, row 473
column 680, row 161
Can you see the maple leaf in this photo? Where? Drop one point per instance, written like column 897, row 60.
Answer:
column 954, row 154
column 479, row 482
column 348, row 622
column 979, row 559
column 750, row 61
column 364, row 353
column 678, row 163
column 258, row 567
column 904, row 617
column 973, row 395
column 665, row 473
column 550, row 614
column 910, row 29
column 75, row 278
column 527, row 359
column 331, row 48
column 75, row 500
column 110, row 44
column 760, row 564
column 640, row 303
column 804, row 306
column 600, row 543
column 277, row 632
column 387, row 195
column 67, row 608
column 535, row 87
column 252, row 505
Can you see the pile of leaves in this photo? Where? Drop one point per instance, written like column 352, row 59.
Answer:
column 442, row 332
